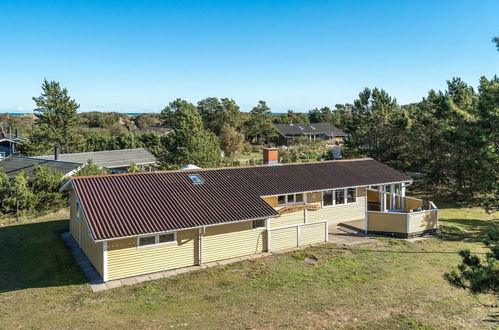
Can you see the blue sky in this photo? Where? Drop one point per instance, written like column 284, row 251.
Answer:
column 135, row 56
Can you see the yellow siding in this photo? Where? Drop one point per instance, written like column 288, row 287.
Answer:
column 272, row 201
column 412, row 203
column 231, row 240
column 387, row 222
column 422, row 221
column 74, row 226
column 288, row 219
column 373, row 196
column 310, row 234
column 339, row 213
column 315, row 197
column 125, row 259
column 284, row 238
column 93, row 251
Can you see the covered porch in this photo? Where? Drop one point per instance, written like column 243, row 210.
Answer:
column 391, row 213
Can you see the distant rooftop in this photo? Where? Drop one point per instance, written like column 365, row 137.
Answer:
column 291, row 130
column 14, row 164
column 109, row 159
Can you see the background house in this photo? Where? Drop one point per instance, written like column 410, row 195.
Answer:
column 8, row 143
column 118, row 160
column 322, row 131
column 14, row 164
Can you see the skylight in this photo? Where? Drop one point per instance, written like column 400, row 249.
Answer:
column 300, row 127
column 312, row 127
column 195, row 178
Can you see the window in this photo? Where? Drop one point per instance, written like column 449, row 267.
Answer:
column 327, row 198
column 374, row 187
column 2, row 155
column 149, row 240
column 166, row 238
column 258, row 224
column 312, row 127
column 289, row 199
column 339, row 196
column 195, row 178
column 351, row 195
column 77, row 211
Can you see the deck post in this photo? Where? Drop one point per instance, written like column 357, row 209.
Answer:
column 267, row 228
column 402, row 194
column 383, row 198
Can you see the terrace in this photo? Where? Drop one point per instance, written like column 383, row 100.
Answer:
column 390, row 212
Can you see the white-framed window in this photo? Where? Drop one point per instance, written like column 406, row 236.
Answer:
column 339, row 197
column 153, row 240
column 2, row 154
column 256, row 224
column 290, row 199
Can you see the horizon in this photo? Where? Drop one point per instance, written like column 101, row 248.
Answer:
column 137, row 57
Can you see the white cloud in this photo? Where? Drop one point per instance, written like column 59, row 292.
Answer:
column 19, row 108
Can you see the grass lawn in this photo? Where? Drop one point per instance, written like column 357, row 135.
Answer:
column 383, row 284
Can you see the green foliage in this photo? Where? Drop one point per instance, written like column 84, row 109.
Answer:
column 91, row 169
column 133, row 168
column 375, row 127
column 231, row 141
column 19, row 194
column 190, row 142
column 496, row 41
column 217, row 113
column 259, row 127
column 291, row 117
column 475, row 274
column 45, row 185
column 4, row 189
column 56, row 121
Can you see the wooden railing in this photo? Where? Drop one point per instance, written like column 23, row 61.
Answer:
column 403, row 223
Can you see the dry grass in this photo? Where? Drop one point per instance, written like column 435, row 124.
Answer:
column 383, row 284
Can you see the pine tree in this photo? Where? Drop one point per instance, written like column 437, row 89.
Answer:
column 19, row 195
column 56, row 121
column 259, row 126
column 190, row 142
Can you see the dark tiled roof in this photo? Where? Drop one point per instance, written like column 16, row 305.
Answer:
column 109, row 159
column 13, row 164
column 138, row 203
column 290, row 130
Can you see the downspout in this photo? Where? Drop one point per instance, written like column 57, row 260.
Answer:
column 200, row 245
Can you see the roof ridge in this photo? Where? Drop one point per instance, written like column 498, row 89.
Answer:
column 221, row 168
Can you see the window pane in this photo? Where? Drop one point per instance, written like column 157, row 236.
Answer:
column 299, row 198
column 388, row 188
column 258, row 224
column 397, row 189
column 146, row 240
column 351, row 195
column 340, row 196
column 327, row 197
column 281, row 200
column 291, row 198
column 170, row 237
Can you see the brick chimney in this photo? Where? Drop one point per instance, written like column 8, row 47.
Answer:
column 270, row 156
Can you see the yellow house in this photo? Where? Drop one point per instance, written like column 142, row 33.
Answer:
column 139, row 223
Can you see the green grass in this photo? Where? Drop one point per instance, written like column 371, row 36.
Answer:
column 382, row 284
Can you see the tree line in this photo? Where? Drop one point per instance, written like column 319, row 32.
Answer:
column 450, row 137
